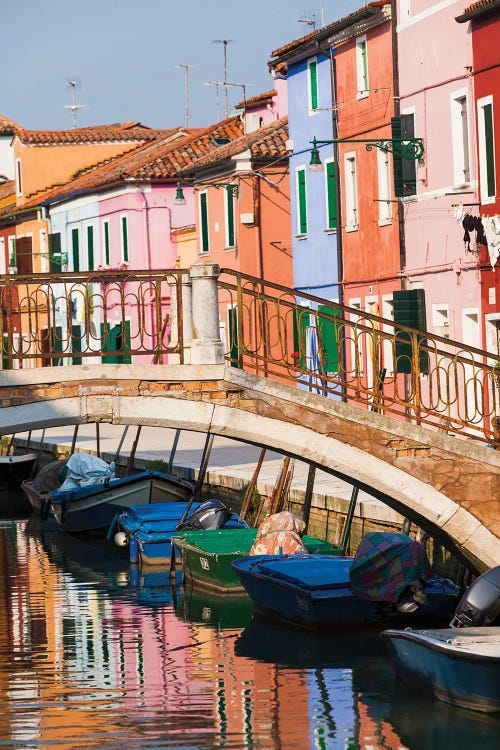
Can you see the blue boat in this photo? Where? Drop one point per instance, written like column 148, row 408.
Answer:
column 460, row 666
column 96, row 507
column 148, row 529
column 315, row 591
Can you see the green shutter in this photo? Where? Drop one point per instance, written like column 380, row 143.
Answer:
column 115, row 339
column 301, row 321
column 13, row 254
column 230, row 215
column 56, row 338
column 489, row 149
column 365, row 66
column 90, row 247
column 75, row 249
column 302, row 202
column 331, row 193
column 232, row 314
column 409, row 310
column 204, row 223
column 328, row 330
column 55, row 251
column 106, row 243
column 405, row 172
column 76, row 343
column 125, row 239
column 313, row 83
column 5, row 350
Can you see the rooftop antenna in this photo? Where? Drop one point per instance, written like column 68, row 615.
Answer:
column 74, row 83
column 217, row 98
column 227, row 84
column 186, row 67
column 309, row 18
column 225, row 42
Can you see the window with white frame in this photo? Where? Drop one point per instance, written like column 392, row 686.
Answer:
column 460, row 138
column 3, row 264
column 312, row 84
column 229, row 215
column 12, row 252
column 351, row 192
column 361, row 67
column 487, row 175
column 19, row 178
column 44, row 259
column 204, row 236
column 301, row 200
column 384, row 187
column 124, row 238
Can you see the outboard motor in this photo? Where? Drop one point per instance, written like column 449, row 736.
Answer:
column 480, row 604
column 211, row 514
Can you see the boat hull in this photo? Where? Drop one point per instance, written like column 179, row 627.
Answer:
column 96, row 509
column 15, row 469
column 447, row 663
column 207, row 556
column 314, row 591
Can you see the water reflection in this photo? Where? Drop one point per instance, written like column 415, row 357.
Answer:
column 94, row 657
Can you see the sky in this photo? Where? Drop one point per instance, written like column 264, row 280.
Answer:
column 123, row 54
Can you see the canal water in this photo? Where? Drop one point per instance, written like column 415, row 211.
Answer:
column 92, row 656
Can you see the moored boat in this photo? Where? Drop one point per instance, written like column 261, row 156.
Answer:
column 15, row 468
column 324, row 591
column 38, row 488
column 150, row 529
column 459, row 664
column 207, row 556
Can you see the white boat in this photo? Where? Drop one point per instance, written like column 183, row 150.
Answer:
column 15, row 468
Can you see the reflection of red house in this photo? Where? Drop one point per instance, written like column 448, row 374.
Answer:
column 483, row 18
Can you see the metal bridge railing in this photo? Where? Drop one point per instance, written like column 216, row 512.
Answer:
column 361, row 358
column 108, row 316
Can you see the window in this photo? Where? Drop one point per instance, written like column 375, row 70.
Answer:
column 124, row 238
column 331, row 194
column 351, row 193
column 90, row 247
column 12, row 253
column 312, row 79
column 19, row 181
column 3, row 267
column 487, row 176
column 301, row 201
column 24, row 255
column 361, row 67
column 75, row 248
column 205, row 241
column 460, row 138
column 384, row 187
column 405, row 172
column 105, row 235
column 229, row 214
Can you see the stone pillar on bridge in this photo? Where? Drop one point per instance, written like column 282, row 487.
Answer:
column 187, row 319
column 206, row 346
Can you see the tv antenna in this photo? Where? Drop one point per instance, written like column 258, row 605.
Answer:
column 185, row 67
column 227, row 84
column 310, row 17
column 225, row 42
column 74, row 83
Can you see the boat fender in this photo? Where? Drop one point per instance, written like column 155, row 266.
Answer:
column 121, row 539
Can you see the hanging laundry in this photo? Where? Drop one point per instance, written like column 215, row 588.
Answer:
column 473, row 224
column 491, row 226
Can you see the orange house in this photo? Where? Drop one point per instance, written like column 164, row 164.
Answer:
column 243, row 216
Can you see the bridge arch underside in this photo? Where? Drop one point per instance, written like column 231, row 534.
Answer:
column 453, row 525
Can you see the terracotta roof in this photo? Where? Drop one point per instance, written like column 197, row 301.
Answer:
column 128, row 132
column 268, row 142
column 256, row 100
column 7, row 187
column 326, row 31
column 8, row 127
column 481, row 8
column 160, row 160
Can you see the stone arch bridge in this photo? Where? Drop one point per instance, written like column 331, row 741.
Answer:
column 449, row 486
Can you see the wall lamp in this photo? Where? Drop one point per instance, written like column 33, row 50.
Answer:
column 180, row 200
column 403, row 148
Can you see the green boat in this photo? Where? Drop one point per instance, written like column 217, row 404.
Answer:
column 206, row 556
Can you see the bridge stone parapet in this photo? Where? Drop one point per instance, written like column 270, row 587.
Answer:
column 447, row 485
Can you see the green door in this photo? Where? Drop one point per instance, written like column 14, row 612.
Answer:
column 328, row 339
column 301, row 322
column 233, row 336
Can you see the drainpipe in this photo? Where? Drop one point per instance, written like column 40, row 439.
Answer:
column 397, row 112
